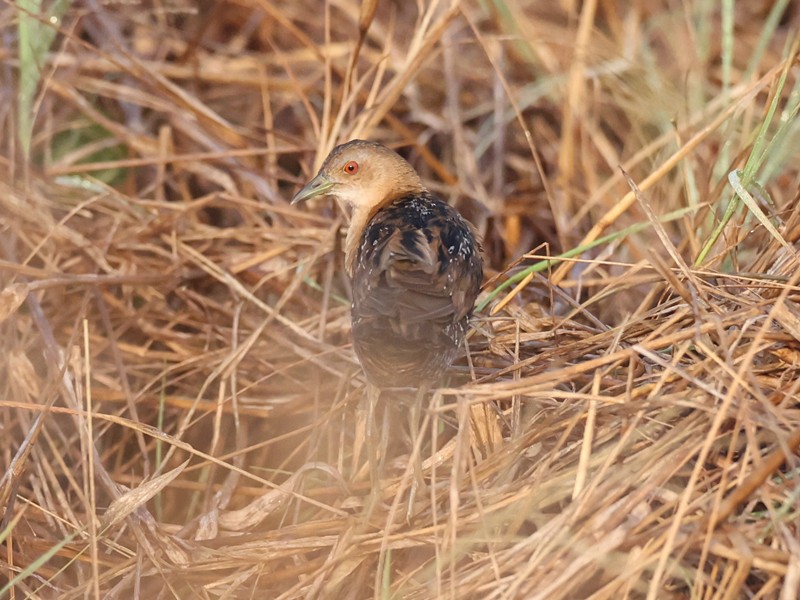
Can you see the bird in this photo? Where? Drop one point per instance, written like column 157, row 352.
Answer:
column 414, row 263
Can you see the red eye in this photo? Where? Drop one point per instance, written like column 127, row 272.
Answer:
column 351, row 168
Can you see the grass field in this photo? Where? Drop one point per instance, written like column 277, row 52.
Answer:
column 182, row 414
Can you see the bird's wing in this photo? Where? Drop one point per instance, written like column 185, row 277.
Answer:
column 415, row 272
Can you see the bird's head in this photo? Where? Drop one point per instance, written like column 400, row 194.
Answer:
column 364, row 175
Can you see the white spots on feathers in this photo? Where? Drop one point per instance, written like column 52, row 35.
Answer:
column 422, row 208
column 464, row 249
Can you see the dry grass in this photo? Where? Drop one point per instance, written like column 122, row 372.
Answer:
column 182, row 412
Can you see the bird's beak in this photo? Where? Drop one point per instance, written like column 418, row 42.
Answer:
column 316, row 187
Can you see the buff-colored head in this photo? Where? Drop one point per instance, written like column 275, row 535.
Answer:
column 363, row 175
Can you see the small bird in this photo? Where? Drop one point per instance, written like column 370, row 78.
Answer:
column 413, row 260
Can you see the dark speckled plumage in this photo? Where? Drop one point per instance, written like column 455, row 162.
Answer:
column 417, row 273
column 414, row 261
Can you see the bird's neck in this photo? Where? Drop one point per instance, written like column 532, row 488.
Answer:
column 358, row 222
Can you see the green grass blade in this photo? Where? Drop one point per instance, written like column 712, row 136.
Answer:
column 765, row 36
column 36, row 34
column 543, row 265
column 37, row 564
column 759, row 153
column 750, row 202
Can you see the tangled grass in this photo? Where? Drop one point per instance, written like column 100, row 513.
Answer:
column 183, row 415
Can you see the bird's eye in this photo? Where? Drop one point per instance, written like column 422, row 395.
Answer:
column 351, row 168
